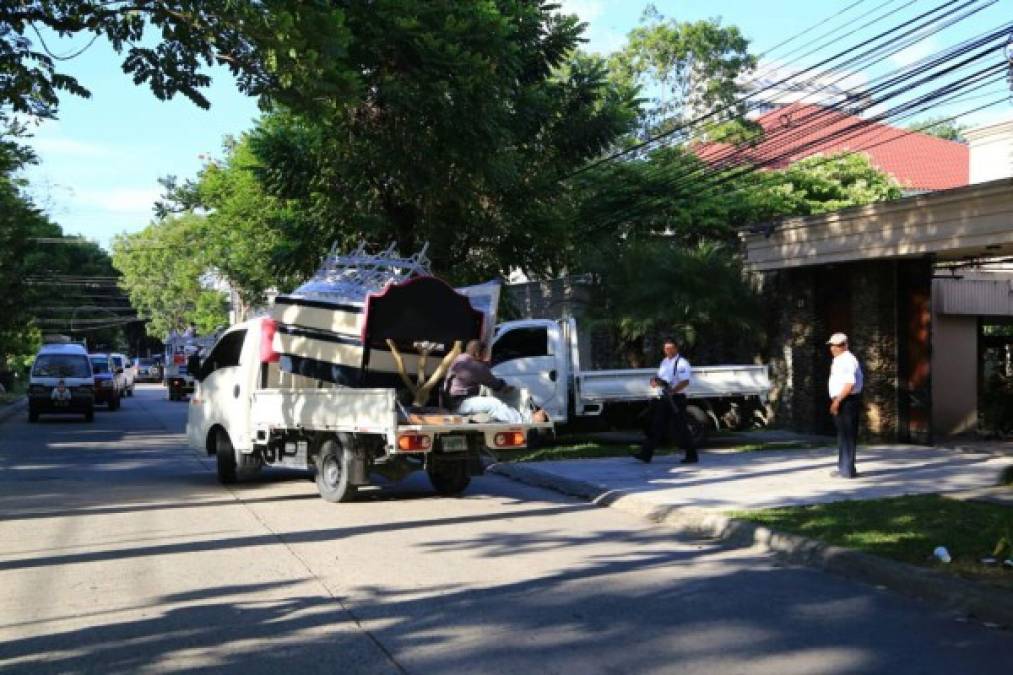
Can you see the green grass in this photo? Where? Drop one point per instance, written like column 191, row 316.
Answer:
column 906, row 529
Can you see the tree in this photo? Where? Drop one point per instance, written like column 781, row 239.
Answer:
column 659, row 238
column 244, row 232
column 471, row 113
column 941, row 127
column 818, row 184
column 279, row 50
column 165, row 273
column 687, row 69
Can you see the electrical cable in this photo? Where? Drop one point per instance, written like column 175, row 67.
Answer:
column 642, row 144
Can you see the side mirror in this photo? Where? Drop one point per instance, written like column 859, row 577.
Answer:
column 193, row 367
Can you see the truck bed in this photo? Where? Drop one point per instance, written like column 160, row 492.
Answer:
column 600, row 386
column 351, row 410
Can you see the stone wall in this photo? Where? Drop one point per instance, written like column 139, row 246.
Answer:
column 864, row 300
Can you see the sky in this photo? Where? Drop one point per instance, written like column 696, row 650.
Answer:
column 100, row 161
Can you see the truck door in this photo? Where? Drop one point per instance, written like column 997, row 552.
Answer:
column 525, row 357
column 223, row 398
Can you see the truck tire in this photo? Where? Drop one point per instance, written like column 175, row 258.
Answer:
column 33, row 416
column 225, row 457
column 698, row 424
column 89, row 415
column 332, row 472
column 449, row 479
column 114, row 403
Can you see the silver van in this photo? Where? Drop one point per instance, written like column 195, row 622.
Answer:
column 61, row 382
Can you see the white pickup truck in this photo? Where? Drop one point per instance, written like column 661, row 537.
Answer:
column 248, row 412
column 543, row 356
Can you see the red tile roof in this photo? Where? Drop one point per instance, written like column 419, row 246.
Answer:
column 917, row 161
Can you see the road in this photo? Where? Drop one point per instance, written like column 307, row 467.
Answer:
column 120, row 553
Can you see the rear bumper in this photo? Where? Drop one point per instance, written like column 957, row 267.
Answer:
column 47, row 404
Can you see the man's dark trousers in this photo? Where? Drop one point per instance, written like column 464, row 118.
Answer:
column 668, row 414
column 846, row 421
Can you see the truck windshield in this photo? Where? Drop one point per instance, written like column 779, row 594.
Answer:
column 100, row 365
column 61, row 365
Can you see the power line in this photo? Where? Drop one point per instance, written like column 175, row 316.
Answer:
column 725, row 108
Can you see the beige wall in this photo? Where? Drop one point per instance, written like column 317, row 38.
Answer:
column 954, row 374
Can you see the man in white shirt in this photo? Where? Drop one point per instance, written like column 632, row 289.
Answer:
column 669, row 411
column 845, row 388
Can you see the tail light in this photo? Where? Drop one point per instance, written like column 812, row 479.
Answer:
column 414, row 443
column 268, row 328
column 509, row 439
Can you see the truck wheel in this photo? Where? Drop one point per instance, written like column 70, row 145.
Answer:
column 332, row 472
column 89, row 415
column 449, row 478
column 114, row 403
column 226, row 458
column 698, row 423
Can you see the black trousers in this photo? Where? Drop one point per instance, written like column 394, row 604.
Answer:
column 668, row 421
column 846, row 421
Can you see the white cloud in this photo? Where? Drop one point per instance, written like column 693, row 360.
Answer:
column 68, row 147
column 587, row 10
column 915, row 52
column 800, row 87
column 120, row 200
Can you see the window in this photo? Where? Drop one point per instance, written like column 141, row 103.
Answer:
column 117, row 361
column 100, row 364
column 521, row 343
column 225, row 354
column 61, row 365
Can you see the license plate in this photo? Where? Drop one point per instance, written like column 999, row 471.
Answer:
column 61, row 403
column 454, row 443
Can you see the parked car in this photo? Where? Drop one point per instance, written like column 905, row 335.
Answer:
column 107, row 386
column 125, row 373
column 61, row 381
column 149, row 369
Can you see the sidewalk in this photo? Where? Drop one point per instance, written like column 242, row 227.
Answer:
column 726, row 481
column 694, row 498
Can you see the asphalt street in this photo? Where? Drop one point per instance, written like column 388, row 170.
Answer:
column 119, row 552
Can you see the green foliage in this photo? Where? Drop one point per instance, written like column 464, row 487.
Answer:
column 165, row 272
column 818, row 184
column 659, row 285
column 32, row 260
column 246, row 233
column 279, row 50
column 659, row 237
column 471, row 113
column 941, row 127
column 687, row 68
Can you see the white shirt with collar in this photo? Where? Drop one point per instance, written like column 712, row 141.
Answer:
column 674, row 370
column 845, row 370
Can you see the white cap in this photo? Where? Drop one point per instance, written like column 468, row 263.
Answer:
column 838, row 339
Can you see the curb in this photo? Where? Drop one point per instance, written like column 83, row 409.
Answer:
column 12, row 409
column 948, row 593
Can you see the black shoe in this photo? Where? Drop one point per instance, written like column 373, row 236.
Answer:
column 643, row 456
column 690, row 459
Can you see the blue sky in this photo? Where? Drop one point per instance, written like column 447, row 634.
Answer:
column 101, row 159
